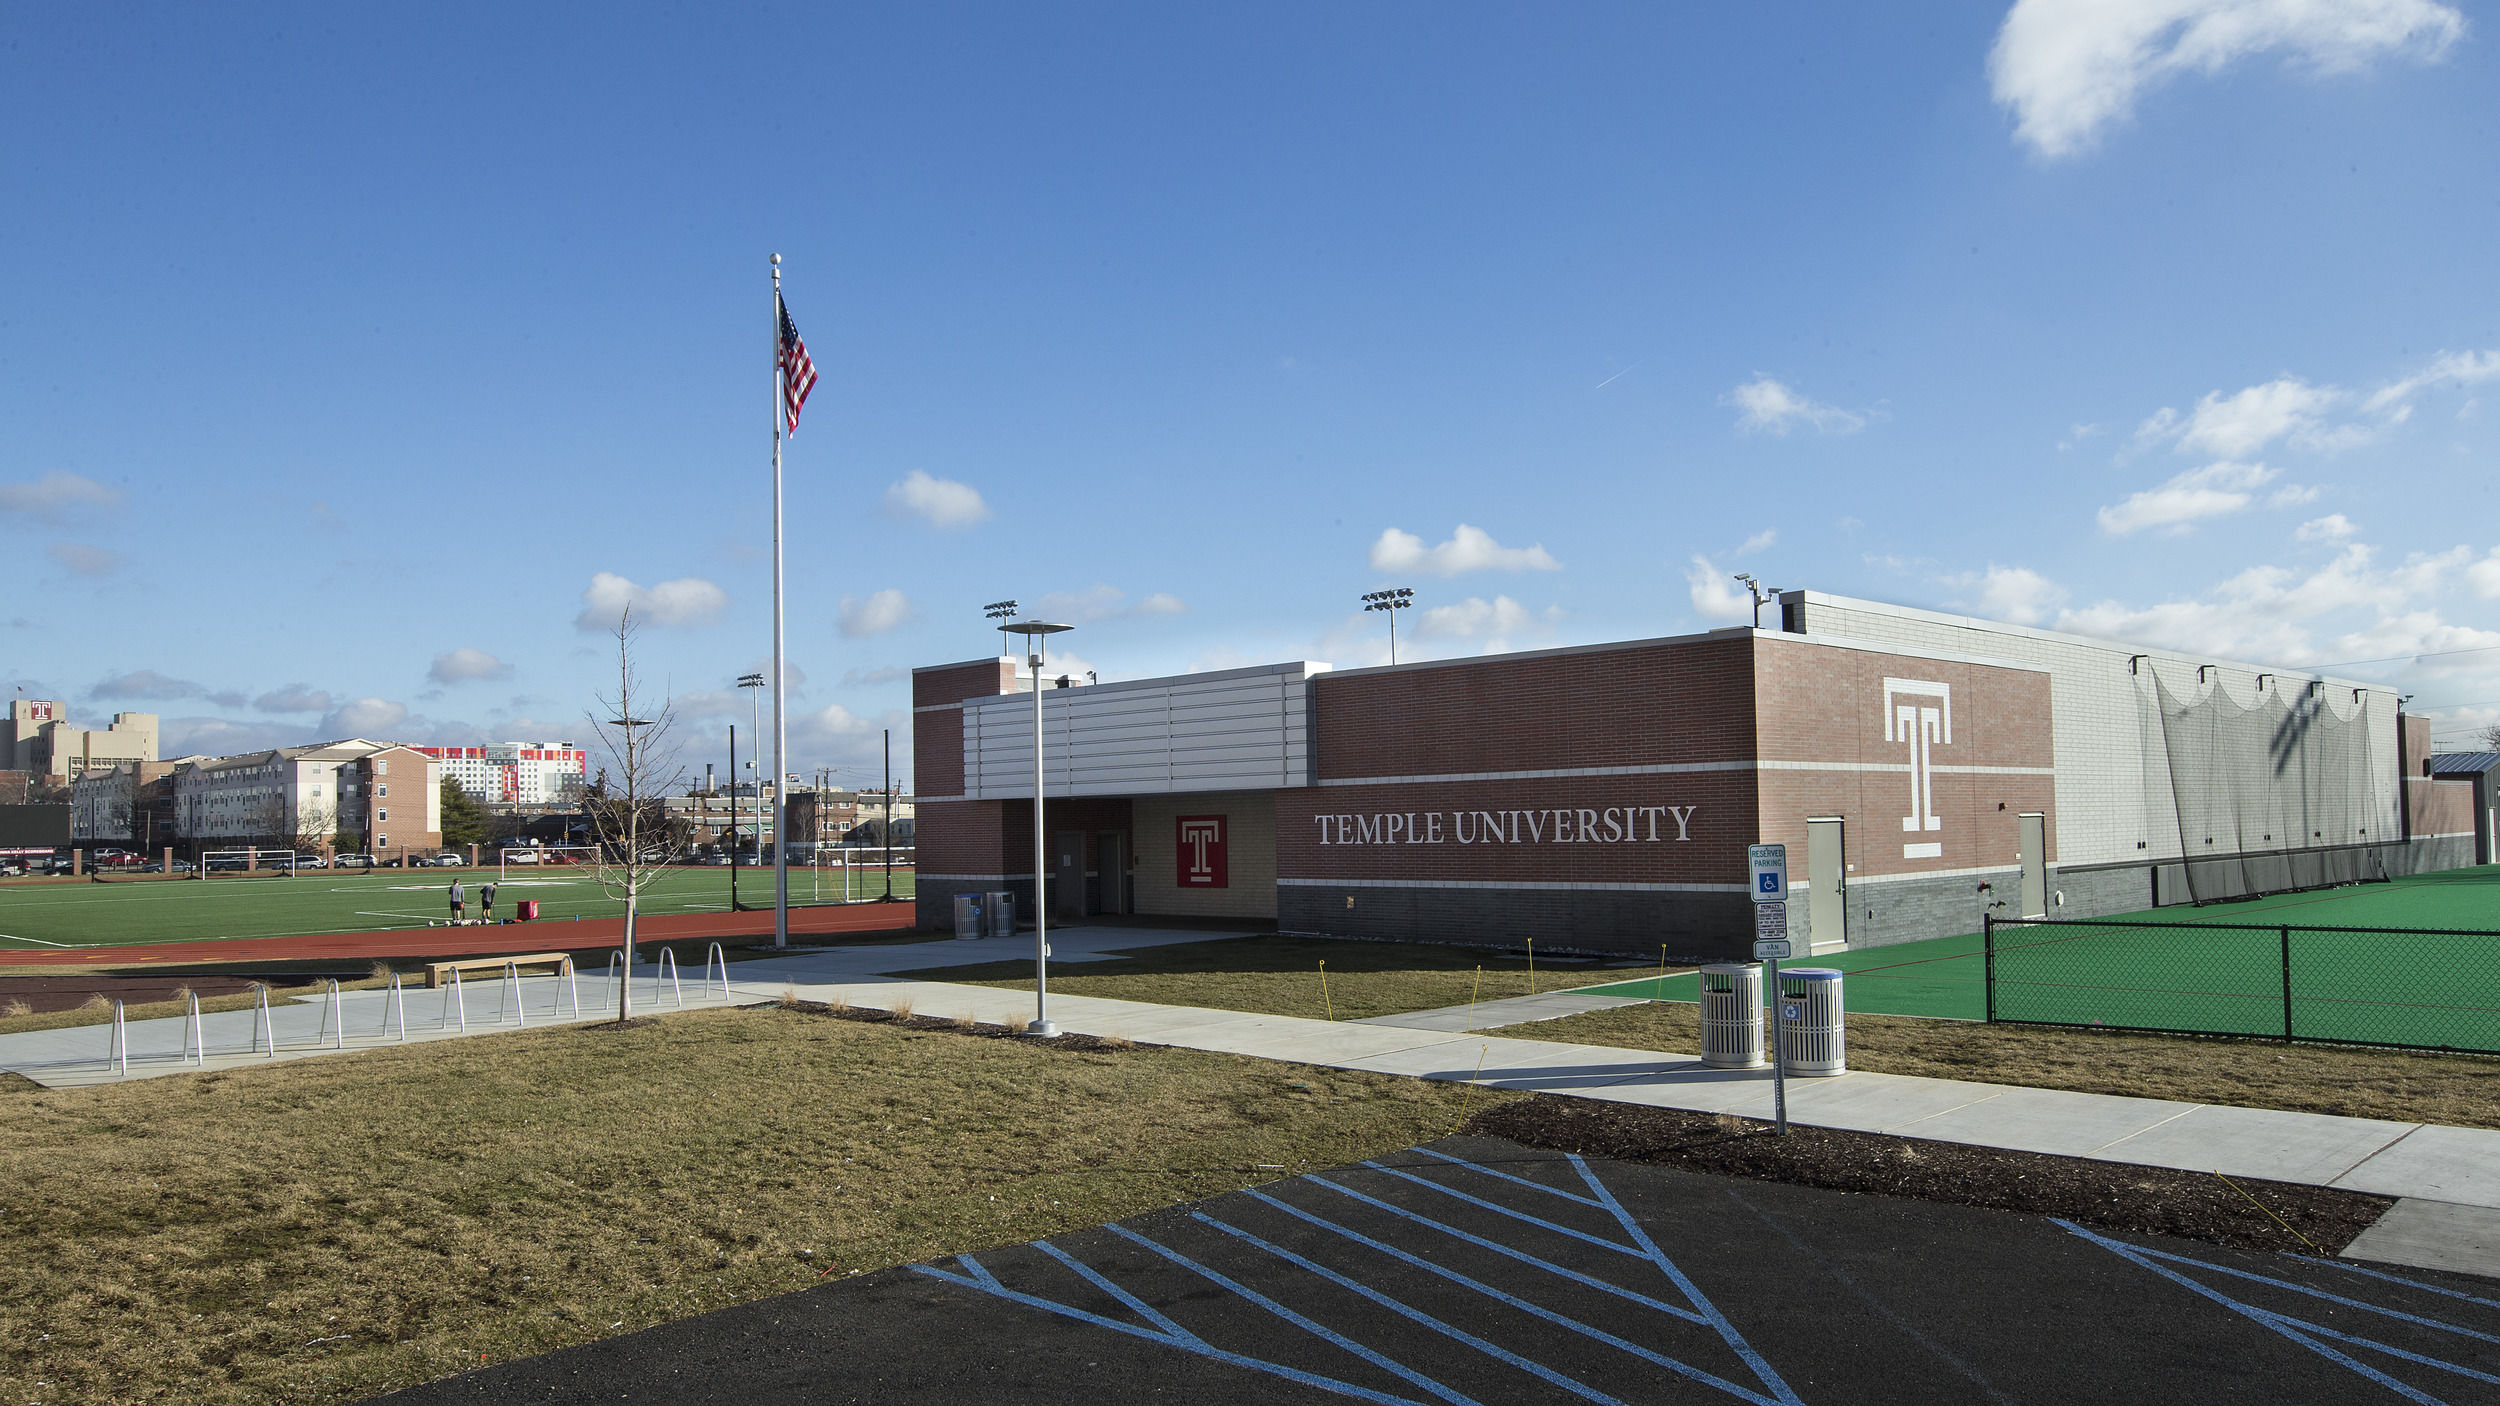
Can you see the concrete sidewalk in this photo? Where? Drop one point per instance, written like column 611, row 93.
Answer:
column 2447, row 1178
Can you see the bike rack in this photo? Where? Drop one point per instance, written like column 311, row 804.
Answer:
column 264, row 1034
column 117, row 1053
column 668, row 969
column 511, row 995
column 395, row 1005
column 716, row 957
column 455, row 998
column 196, row 1050
column 573, row 986
column 333, row 1020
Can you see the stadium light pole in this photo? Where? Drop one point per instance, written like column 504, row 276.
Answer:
column 1761, row 594
column 1034, row 632
column 1389, row 603
column 749, row 682
column 1002, row 611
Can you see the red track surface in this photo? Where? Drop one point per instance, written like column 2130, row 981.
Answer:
column 482, row 941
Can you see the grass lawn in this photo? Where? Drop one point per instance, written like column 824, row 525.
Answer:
column 327, row 1230
column 318, row 901
column 2432, row 1088
column 1281, row 976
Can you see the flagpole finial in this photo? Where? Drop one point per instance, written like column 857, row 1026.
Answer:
column 776, row 261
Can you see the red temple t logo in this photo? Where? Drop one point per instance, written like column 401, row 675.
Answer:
column 1202, row 852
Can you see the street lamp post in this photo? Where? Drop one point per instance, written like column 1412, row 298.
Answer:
column 749, row 682
column 1390, row 603
column 1034, row 632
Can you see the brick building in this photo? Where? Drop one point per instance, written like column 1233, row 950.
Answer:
column 1924, row 769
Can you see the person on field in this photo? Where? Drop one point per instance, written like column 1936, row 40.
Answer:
column 459, row 902
column 486, row 900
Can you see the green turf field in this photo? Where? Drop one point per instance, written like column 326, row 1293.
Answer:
column 2346, row 986
column 320, row 901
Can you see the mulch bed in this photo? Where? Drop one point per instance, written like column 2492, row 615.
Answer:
column 46, row 994
column 1068, row 1041
column 2106, row 1195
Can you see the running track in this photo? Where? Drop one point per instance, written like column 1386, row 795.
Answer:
column 479, row 941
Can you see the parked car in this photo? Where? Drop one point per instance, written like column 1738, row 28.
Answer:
column 448, row 860
column 353, row 861
column 521, row 856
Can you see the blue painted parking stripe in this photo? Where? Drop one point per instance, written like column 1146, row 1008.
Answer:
column 1599, row 1241
column 1523, row 1305
column 1416, row 1315
column 2364, row 1306
column 2272, row 1321
column 988, row 1284
column 1497, row 1247
column 1093, row 1276
column 1691, row 1291
column 1308, row 1325
column 2350, row 1268
column 1510, row 1177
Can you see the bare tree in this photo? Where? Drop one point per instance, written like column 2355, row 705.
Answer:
column 2490, row 736
column 627, row 809
column 315, row 824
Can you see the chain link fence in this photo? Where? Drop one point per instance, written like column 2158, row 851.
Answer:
column 2436, row 988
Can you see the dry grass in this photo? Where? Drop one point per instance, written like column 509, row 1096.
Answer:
column 14, row 1008
column 2355, row 1083
column 790, row 995
column 1281, row 976
column 96, row 1001
column 327, row 1230
column 901, row 1008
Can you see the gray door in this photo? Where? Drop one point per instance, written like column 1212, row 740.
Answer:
column 1827, row 898
column 1111, row 862
column 1067, row 876
column 2035, row 850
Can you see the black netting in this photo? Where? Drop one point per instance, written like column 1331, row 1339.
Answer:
column 2270, row 796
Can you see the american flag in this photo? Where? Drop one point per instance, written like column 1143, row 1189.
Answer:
column 798, row 374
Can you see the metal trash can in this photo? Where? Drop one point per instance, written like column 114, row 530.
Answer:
column 1002, row 911
column 1812, row 1031
column 1731, row 1016
column 968, row 924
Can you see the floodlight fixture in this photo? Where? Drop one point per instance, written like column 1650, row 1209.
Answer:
column 1390, row 602
column 1762, row 595
column 1000, row 610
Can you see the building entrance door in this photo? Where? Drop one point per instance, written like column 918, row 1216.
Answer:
column 1827, row 898
column 1111, row 864
column 2035, row 853
column 1067, row 877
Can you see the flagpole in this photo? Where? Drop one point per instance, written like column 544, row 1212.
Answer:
column 781, row 732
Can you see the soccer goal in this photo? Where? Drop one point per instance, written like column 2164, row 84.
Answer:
column 515, row 860
column 246, row 861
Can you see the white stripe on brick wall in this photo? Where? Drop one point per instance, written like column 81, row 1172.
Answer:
column 974, row 878
column 1672, row 769
column 1538, row 887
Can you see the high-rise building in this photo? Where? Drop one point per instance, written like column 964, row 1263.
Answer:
column 37, row 737
column 516, row 773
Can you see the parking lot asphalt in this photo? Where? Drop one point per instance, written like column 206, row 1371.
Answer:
column 1472, row 1270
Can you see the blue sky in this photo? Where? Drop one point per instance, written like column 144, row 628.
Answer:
column 353, row 370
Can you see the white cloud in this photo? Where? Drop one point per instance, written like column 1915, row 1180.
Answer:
column 688, row 600
column 940, row 502
column 2293, row 495
column 54, row 496
column 2018, row 594
column 1715, row 595
column 1760, row 541
column 2334, row 527
column 2212, row 491
column 1491, row 621
column 2484, row 575
column 2447, row 369
column 79, row 559
column 1162, row 603
column 464, row 664
column 874, row 614
column 2238, row 425
column 882, row 674
column 1767, row 404
column 2268, row 613
column 294, row 698
column 1469, row 549
column 377, row 719
column 148, row 685
column 2068, row 68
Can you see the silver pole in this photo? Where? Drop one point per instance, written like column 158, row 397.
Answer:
column 1041, row 905
column 781, row 730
